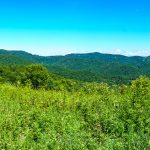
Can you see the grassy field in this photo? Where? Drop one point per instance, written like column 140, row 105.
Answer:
column 107, row 119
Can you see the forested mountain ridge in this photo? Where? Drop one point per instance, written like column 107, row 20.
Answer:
column 88, row 56
column 87, row 67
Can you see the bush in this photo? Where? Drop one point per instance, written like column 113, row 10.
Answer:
column 38, row 75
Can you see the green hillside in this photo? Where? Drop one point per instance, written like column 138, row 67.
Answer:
column 8, row 59
column 74, row 102
column 90, row 67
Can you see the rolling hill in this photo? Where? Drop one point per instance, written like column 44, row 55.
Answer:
column 89, row 67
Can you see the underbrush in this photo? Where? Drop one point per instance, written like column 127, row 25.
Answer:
column 104, row 119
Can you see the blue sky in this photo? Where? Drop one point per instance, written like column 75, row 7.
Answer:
column 55, row 27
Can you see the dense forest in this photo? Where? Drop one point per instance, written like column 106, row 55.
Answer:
column 75, row 102
column 92, row 67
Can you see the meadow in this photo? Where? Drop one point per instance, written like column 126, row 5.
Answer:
column 98, row 117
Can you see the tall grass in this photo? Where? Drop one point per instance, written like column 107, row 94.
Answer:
column 97, row 120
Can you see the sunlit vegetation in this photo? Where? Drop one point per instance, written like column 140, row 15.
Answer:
column 94, row 116
column 75, row 102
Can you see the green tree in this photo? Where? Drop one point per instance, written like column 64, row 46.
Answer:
column 38, row 75
column 141, row 88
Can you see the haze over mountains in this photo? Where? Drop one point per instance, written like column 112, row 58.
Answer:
column 89, row 67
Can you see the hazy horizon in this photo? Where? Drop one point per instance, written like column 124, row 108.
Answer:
column 102, row 52
column 62, row 27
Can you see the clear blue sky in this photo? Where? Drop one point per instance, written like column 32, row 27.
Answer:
column 53, row 27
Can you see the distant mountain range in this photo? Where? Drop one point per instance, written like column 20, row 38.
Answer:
column 89, row 67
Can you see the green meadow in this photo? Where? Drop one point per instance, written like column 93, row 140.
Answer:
column 102, row 117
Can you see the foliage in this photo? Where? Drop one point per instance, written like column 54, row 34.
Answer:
column 37, row 75
column 42, row 110
column 92, row 116
column 92, row 67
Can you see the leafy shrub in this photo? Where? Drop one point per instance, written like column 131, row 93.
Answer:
column 96, row 116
